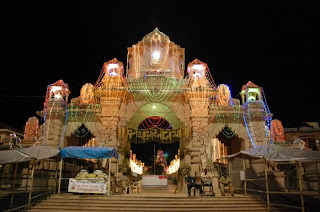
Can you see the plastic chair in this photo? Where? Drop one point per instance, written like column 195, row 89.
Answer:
column 136, row 186
column 125, row 187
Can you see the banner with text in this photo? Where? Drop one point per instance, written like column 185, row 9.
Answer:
column 85, row 186
column 154, row 134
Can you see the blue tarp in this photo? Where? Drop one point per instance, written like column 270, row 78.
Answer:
column 89, row 152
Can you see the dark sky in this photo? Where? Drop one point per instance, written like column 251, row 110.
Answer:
column 272, row 45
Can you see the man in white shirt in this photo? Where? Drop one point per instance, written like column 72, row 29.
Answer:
column 206, row 179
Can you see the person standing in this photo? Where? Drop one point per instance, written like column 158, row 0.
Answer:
column 191, row 183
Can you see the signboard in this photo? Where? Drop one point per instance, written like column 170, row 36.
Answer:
column 154, row 180
column 86, row 186
column 153, row 134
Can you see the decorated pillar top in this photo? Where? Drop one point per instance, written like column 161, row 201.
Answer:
column 251, row 92
column 155, row 56
column 57, row 91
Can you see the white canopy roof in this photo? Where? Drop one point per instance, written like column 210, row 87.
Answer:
column 25, row 154
column 278, row 153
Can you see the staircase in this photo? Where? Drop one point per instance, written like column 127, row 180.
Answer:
column 148, row 201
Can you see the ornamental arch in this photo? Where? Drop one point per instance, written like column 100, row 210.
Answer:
column 154, row 109
column 156, row 83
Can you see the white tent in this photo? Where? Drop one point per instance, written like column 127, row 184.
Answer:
column 25, row 154
column 278, row 153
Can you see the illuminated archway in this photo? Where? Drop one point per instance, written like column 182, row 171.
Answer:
column 154, row 110
column 154, row 115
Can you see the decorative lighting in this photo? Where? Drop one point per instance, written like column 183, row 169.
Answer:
column 198, row 70
column 112, row 69
column 174, row 165
column 155, row 55
column 277, row 130
column 136, row 166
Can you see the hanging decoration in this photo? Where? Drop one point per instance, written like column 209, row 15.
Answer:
column 224, row 118
column 81, row 132
column 155, row 134
column 277, row 131
column 224, row 95
column 221, row 107
column 31, row 129
column 155, row 89
column 86, row 94
column 155, row 121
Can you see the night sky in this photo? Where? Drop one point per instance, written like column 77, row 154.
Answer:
column 272, row 45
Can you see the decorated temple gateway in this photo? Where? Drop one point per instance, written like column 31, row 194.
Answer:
column 155, row 97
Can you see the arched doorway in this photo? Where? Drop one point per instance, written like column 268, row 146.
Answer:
column 231, row 141
column 80, row 136
column 156, row 122
column 150, row 151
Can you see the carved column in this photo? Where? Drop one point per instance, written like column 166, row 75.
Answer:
column 109, row 117
column 54, row 125
column 200, row 129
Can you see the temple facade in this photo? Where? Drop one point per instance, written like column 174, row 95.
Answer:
column 155, row 97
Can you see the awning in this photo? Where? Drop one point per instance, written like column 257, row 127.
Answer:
column 89, row 152
column 40, row 152
column 278, row 153
column 12, row 156
column 25, row 154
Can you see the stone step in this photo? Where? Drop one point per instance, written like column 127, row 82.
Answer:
column 150, row 198
column 155, row 203
column 152, row 195
column 147, row 207
column 148, row 202
column 181, row 201
column 150, row 209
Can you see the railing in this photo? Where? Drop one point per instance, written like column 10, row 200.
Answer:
column 23, row 183
column 294, row 188
column 34, row 200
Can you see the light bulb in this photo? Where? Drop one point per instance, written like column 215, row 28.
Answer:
column 155, row 55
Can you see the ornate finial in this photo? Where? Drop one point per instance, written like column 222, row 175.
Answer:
column 156, row 32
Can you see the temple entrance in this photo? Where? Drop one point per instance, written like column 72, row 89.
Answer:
column 232, row 143
column 156, row 153
column 148, row 153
